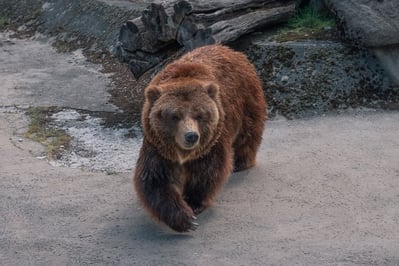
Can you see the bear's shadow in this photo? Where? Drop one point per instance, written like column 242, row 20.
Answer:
column 144, row 227
column 137, row 226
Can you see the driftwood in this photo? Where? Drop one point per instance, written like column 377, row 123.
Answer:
column 146, row 41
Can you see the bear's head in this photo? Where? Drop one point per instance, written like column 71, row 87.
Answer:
column 182, row 119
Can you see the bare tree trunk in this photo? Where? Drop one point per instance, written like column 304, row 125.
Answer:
column 146, row 41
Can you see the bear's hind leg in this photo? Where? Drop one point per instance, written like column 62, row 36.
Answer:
column 248, row 141
column 244, row 158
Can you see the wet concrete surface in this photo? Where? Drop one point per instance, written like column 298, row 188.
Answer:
column 34, row 74
column 325, row 190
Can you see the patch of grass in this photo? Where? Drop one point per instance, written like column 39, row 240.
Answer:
column 307, row 18
column 54, row 140
column 306, row 24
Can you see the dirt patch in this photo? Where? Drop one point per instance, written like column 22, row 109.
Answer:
column 53, row 139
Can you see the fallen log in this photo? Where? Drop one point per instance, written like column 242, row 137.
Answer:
column 144, row 42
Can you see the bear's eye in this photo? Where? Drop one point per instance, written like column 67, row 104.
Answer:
column 175, row 117
column 202, row 117
column 168, row 115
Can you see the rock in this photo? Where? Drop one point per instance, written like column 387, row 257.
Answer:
column 373, row 24
column 284, row 78
column 318, row 5
column 389, row 59
column 370, row 23
column 312, row 77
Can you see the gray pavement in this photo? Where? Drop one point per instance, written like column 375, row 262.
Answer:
column 325, row 191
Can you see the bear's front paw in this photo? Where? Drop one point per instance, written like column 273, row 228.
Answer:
column 197, row 208
column 183, row 221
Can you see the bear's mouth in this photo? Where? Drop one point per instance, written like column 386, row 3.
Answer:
column 188, row 146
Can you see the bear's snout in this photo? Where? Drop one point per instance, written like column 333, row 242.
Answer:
column 188, row 134
column 191, row 138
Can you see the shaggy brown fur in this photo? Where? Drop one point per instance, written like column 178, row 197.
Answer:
column 203, row 116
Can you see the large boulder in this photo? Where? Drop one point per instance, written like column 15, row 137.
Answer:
column 373, row 24
column 369, row 23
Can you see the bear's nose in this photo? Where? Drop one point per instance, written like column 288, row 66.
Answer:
column 191, row 137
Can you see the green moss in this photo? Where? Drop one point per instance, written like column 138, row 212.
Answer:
column 54, row 140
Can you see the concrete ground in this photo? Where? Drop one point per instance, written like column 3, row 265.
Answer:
column 325, row 190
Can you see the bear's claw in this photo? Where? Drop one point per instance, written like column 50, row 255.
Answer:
column 194, row 226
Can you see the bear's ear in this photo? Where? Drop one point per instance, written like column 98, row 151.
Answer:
column 212, row 90
column 152, row 94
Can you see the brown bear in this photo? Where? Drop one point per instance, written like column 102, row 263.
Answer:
column 203, row 116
